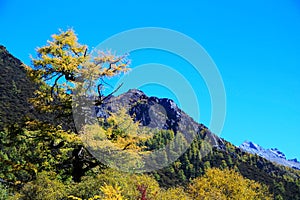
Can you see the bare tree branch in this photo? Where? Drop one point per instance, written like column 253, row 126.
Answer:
column 85, row 52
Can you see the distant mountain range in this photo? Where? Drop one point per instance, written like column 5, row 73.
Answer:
column 273, row 154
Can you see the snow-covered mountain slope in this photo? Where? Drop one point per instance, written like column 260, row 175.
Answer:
column 272, row 154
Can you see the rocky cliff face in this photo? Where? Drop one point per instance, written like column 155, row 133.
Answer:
column 273, row 154
column 160, row 113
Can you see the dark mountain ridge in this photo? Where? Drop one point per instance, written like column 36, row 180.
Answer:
column 160, row 113
column 15, row 90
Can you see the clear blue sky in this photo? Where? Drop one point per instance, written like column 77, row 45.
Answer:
column 255, row 45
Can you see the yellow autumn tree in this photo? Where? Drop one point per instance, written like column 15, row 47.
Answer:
column 111, row 192
column 113, row 184
column 68, row 75
column 226, row 184
column 117, row 144
column 64, row 67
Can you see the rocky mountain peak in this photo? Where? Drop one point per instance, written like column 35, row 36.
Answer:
column 160, row 113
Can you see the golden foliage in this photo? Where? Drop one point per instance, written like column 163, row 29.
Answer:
column 226, row 184
column 110, row 192
column 177, row 193
column 117, row 144
column 45, row 187
column 64, row 67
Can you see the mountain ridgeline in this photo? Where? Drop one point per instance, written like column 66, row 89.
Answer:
column 164, row 114
column 15, row 89
column 206, row 150
column 158, row 113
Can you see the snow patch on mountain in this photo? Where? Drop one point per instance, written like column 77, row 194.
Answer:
column 273, row 154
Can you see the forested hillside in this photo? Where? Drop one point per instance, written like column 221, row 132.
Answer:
column 44, row 157
column 15, row 89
